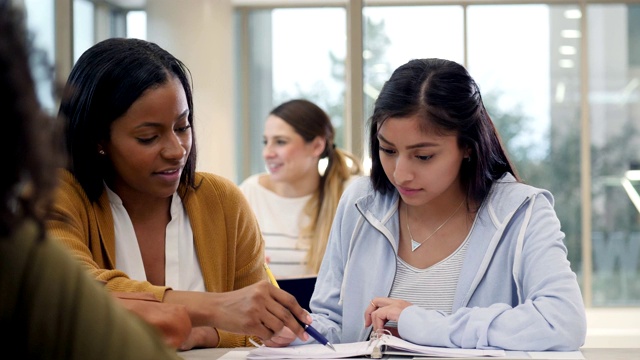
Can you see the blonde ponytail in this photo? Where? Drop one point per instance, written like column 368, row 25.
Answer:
column 321, row 208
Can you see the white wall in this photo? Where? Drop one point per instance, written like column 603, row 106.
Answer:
column 200, row 34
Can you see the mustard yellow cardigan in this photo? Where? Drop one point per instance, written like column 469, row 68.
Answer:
column 227, row 239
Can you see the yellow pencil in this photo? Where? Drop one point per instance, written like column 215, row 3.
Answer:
column 308, row 328
column 270, row 275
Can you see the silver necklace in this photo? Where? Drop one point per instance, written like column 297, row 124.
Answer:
column 414, row 244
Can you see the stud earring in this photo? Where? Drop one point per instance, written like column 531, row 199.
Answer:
column 101, row 152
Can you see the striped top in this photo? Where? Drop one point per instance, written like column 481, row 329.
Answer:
column 432, row 288
column 280, row 220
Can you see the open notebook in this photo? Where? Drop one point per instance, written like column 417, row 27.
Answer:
column 379, row 345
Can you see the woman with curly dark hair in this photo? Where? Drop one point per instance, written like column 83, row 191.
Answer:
column 49, row 308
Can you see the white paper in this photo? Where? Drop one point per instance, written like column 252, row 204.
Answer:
column 233, row 355
column 395, row 343
column 391, row 345
column 311, row 351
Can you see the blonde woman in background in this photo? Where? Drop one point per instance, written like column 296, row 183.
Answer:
column 296, row 200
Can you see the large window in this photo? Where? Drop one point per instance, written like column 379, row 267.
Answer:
column 529, row 60
column 394, row 35
column 41, row 28
column 83, row 27
column 137, row 24
column 293, row 53
column 530, row 83
column 614, row 94
column 95, row 20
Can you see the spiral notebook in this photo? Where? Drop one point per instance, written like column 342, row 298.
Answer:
column 380, row 344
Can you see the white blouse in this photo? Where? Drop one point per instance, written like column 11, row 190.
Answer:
column 182, row 269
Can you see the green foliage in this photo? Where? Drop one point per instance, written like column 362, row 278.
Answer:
column 554, row 166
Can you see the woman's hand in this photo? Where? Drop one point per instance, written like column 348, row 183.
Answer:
column 260, row 309
column 381, row 310
column 282, row 338
column 201, row 337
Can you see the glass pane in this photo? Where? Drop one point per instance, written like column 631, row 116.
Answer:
column 137, row 24
column 394, row 35
column 83, row 27
column 529, row 78
column 40, row 24
column 293, row 53
column 614, row 78
column 308, row 59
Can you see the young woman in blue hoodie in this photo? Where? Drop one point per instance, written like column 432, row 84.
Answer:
column 443, row 244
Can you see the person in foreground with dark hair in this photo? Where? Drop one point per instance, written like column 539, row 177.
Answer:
column 50, row 308
column 443, row 245
column 133, row 209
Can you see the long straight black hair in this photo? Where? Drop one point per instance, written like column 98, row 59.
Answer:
column 107, row 79
column 448, row 100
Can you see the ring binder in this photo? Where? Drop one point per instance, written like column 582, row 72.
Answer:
column 380, row 344
column 377, row 336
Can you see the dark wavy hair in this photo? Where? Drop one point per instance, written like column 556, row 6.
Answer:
column 27, row 145
column 448, row 100
column 107, row 79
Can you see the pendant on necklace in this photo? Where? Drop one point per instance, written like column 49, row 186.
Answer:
column 414, row 245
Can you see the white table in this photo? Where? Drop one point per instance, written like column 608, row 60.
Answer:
column 589, row 353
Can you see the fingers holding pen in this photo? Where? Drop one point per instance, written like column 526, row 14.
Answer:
column 267, row 310
column 252, row 310
column 260, row 309
column 300, row 315
column 281, row 338
column 286, row 309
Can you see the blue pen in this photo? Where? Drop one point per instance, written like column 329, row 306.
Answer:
column 316, row 335
column 308, row 328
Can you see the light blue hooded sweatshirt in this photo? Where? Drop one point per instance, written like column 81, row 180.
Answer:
column 516, row 290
